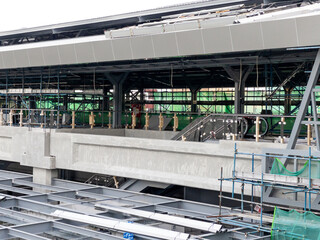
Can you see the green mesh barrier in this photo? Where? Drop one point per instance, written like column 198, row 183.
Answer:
column 280, row 169
column 293, row 225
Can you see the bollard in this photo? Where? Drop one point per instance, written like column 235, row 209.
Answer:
column 160, row 122
column 41, row 114
column 109, row 124
column 257, row 122
column 21, row 118
column 309, row 133
column 73, row 124
column 146, row 126
column 11, row 118
column 175, row 122
column 91, row 120
column 134, row 121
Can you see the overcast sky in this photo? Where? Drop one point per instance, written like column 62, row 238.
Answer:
column 17, row 14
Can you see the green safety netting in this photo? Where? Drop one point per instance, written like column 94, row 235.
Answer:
column 293, row 225
column 280, row 169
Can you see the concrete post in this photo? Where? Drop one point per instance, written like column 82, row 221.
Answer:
column 44, row 176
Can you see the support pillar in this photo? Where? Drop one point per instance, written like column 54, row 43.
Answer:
column 287, row 101
column 44, row 176
column 105, row 101
column 237, row 104
column 239, row 79
column 32, row 102
column 194, row 100
column 117, row 81
column 65, row 102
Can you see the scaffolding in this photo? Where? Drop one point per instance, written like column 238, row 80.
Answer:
column 307, row 186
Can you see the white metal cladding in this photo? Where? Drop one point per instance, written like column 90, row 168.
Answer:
column 208, row 36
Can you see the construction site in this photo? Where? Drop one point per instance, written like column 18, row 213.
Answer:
column 191, row 121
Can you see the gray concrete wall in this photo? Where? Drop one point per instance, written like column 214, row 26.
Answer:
column 138, row 133
column 134, row 133
column 189, row 164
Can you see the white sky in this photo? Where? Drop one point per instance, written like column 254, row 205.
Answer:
column 17, row 14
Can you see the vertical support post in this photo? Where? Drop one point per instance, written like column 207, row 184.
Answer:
column 110, row 123
column 160, row 122
column 42, row 118
column 237, row 97
column 51, row 118
column 91, row 120
column 58, row 119
column 261, row 200
column 242, row 193
column 257, row 129
column 175, row 122
column 194, row 100
column 7, row 80
column 315, row 119
column 73, row 124
column 234, row 168
column 252, row 170
column 117, row 81
column 41, row 79
column 134, row 121
column 282, row 129
column 126, row 119
column 309, row 133
column 1, row 117
column 146, row 126
column 287, row 101
column 235, row 128
column 220, row 196
column 21, row 118
column 295, row 168
column 310, row 185
column 11, row 118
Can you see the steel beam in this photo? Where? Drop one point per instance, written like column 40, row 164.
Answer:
column 313, row 79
